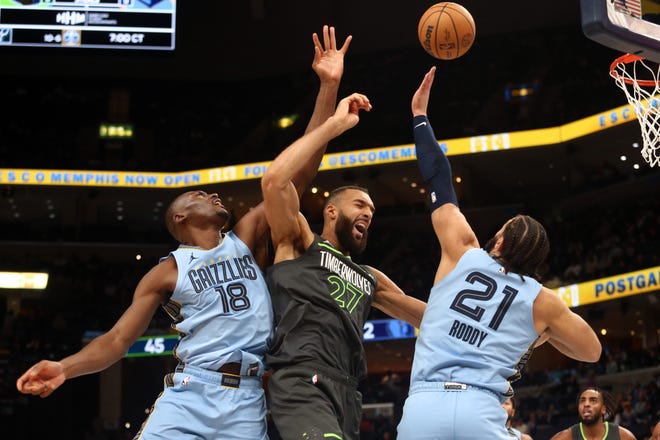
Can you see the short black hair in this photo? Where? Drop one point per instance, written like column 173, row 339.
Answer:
column 335, row 193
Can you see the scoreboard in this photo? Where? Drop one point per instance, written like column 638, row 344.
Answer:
column 375, row 330
column 110, row 24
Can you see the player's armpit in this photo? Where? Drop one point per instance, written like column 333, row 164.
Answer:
column 390, row 299
column 567, row 331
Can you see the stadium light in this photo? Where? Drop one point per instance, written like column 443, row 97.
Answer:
column 23, row 280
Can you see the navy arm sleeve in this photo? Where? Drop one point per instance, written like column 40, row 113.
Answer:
column 433, row 164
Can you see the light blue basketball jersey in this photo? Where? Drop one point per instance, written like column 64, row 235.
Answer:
column 478, row 326
column 221, row 307
column 514, row 433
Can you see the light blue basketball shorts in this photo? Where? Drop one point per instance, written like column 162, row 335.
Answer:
column 194, row 404
column 432, row 412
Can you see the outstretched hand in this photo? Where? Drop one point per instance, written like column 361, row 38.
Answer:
column 420, row 99
column 328, row 60
column 347, row 112
column 41, row 379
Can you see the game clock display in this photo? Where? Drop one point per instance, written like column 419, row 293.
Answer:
column 375, row 330
column 112, row 24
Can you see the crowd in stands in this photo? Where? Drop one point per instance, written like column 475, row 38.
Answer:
column 549, row 405
column 89, row 294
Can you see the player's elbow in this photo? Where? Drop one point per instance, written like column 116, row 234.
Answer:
column 271, row 182
column 594, row 352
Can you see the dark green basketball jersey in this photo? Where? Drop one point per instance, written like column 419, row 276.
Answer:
column 611, row 432
column 321, row 301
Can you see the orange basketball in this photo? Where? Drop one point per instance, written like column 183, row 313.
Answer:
column 446, row 30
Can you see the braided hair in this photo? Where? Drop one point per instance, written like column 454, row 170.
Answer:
column 525, row 247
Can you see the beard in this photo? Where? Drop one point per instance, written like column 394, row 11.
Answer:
column 591, row 421
column 344, row 231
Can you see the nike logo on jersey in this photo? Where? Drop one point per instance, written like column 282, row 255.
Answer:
column 420, row 124
column 192, row 257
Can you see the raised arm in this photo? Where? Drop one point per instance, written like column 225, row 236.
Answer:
column 390, row 299
column 564, row 329
column 281, row 199
column 44, row 377
column 452, row 229
column 328, row 64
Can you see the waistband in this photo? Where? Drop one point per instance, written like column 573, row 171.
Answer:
column 318, row 368
column 227, row 375
column 449, row 387
column 233, row 368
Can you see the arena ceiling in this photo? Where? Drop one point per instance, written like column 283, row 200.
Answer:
column 249, row 39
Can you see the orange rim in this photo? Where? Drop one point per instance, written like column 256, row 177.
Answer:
column 627, row 59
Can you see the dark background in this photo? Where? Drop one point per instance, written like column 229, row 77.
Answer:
column 237, row 67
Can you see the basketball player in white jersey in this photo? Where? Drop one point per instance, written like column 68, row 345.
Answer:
column 213, row 288
column 485, row 313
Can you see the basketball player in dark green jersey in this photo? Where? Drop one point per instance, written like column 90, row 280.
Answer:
column 320, row 296
column 592, row 407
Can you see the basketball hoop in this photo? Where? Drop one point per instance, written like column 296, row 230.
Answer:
column 639, row 79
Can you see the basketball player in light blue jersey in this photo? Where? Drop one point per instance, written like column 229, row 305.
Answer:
column 485, row 311
column 509, row 406
column 213, row 288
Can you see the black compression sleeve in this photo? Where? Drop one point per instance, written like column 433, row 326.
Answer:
column 433, row 164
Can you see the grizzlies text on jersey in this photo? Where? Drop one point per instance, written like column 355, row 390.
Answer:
column 221, row 306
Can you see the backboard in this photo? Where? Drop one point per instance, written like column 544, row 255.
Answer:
column 629, row 26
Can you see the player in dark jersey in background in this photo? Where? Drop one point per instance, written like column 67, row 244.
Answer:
column 321, row 296
column 485, row 311
column 214, row 289
column 509, row 406
column 593, row 405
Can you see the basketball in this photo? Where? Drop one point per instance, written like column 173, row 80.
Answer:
column 446, row 30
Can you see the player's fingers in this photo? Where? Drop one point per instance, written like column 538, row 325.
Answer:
column 427, row 82
column 326, row 37
column 35, row 371
column 315, row 39
column 347, row 43
column 431, row 73
column 23, row 382
column 20, row 382
column 31, row 387
column 362, row 99
column 317, row 54
column 358, row 101
column 46, row 390
column 333, row 40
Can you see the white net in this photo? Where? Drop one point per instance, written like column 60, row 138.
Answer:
column 638, row 78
